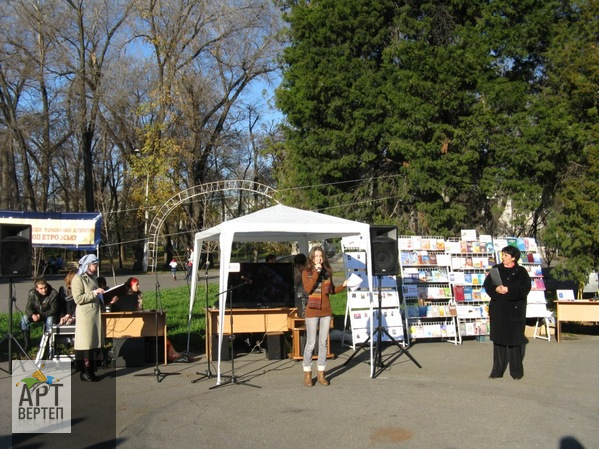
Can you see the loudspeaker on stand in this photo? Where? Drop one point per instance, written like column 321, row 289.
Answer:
column 15, row 250
column 385, row 253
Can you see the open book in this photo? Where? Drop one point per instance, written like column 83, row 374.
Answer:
column 118, row 290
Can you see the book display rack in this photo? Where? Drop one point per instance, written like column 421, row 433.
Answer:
column 427, row 298
column 471, row 258
column 441, row 285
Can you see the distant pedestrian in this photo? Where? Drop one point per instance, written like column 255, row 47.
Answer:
column 189, row 263
column 173, row 265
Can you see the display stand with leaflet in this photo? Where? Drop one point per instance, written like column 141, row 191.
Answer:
column 378, row 334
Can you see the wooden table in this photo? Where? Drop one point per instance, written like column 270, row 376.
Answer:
column 297, row 326
column 266, row 321
column 578, row 310
column 135, row 325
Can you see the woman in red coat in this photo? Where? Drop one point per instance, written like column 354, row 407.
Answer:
column 508, row 288
column 317, row 279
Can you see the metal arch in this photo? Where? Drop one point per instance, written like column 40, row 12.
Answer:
column 195, row 191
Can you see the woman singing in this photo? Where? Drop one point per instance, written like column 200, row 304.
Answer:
column 317, row 279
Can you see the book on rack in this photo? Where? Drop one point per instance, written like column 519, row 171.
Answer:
column 468, row 234
column 404, row 258
column 443, row 260
column 452, row 247
column 457, row 263
column 530, row 243
column 530, row 258
column 479, row 262
column 485, row 238
column 458, row 292
column 539, row 284
column 410, row 290
column 404, row 243
column 432, row 259
column 440, row 244
column 453, row 310
column 416, row 242
column 457, row 277
column 467, row 293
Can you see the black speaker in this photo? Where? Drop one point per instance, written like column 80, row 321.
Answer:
column 15, row 250
column 275, row 346
column 150, row 348
column 385, row 254
column 225, row 353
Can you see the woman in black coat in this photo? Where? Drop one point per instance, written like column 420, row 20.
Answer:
column 507, row 312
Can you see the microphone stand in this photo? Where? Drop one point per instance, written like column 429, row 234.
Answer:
column 232, row 378
column 208, row 372
column 159, row 375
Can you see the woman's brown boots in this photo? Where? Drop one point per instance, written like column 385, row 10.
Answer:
column 308, row 378
column 321, row 379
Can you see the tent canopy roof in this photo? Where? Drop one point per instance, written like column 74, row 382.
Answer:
column 282, row 223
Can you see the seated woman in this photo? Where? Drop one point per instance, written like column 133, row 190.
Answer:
column 66, row 305
column 131, row 301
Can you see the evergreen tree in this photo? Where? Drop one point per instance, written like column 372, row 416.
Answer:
column 428, row 112
column 573, row 91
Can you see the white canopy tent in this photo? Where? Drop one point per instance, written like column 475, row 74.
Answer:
column 274, row 224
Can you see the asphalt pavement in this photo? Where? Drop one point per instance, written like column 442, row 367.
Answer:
column 449, row 403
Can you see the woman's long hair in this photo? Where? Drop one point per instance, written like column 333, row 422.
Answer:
column 325, row 261
column 69, row 278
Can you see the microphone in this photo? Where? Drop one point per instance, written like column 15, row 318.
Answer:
column 246, row 280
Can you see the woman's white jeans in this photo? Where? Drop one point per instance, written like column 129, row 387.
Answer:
column 320, row 326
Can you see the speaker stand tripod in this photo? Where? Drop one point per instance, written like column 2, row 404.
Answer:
column 377, row 361
column 9, row 336
column 232, row 379
column 159, row 375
